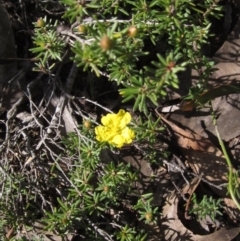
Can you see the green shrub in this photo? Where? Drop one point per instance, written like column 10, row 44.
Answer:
column 141, row 46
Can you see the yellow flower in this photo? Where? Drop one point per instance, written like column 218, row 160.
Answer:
column 114, row 129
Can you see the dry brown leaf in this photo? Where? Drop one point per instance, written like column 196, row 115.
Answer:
column 173, row 228
column 227, row 73
column 203, row 157
column 10, row 233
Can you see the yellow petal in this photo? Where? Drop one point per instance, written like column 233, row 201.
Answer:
column 99, row 130
column 107, row 120
column 114, row 130
column 123, row 118
column 128, row 135
column 117, row 141
column 104, row 133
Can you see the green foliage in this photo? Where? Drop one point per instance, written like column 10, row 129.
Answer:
column 49, row 46
column 176, row 30
column 18, row 206
column 100, row 184
column 147, row 128
column 142, row 46
column 206, row 207
column 128, row 234
column 146, row 211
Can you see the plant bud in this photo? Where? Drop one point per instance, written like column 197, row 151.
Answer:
column 40, row 23
column 87, row 124
column 106, row 43
column 81, row 29
column 148, row 216
column 106, row 189
column 132, row 31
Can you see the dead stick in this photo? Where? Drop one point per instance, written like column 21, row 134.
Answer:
column 192, row 190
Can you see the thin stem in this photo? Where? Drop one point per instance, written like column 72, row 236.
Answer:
column 230, row 176
column 224, row 151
